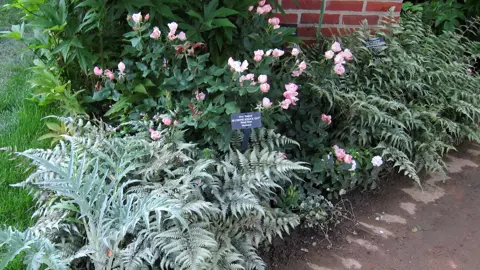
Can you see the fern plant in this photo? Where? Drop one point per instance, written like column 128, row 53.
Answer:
column 128, row 202
column 414, row 99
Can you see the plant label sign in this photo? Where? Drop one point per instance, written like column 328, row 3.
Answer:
column 375, row 44
column 246, row 120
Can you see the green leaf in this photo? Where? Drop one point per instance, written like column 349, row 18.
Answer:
column 231, row 107
column 140, row 88
column 223, row 23
column 224, row 12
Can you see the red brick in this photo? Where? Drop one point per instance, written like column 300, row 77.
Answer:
column 302, row 4
column 287, row 18
column 383, row 6
column 357, row 19
column 344, row 5
column 313, row 18
column 307, row 31
column 334, row 31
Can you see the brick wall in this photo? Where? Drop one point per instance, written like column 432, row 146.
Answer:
column 339, row 14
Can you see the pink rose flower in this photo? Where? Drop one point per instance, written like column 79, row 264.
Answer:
column 121, row 67
column 277, row 53
column 267, row 8
column 262, row 2
column 182, row 36
column 258, row 55
column 156, row 33
column 199, row 95
column 155, row 135
column 262, row 78
column 109, row 74
column 266, row 102
column 250, row 8
column 297, row 73
column 175, row 123
column 295, row 52
column 339, row 59
column 302, row 66
column 260, row 10
column 250, row 76
column 336, row 47
column 347, row 54
column 97, row 71
column 171, row 36
column 329, row 54
column 327, row 119
column 147, row 17
column 285, row 104
column 275, row 22
column 167, row 121
column 339, row 69
column 291, row 87
column 265, row 87
column 348, row 159
column 137, row 17
column 340, row 153
column 173, row 27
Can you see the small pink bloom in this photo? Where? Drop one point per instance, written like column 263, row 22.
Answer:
column 291, row 87
column 284, row 104
column 260, row 10
column 155, row 135
column 171, row 36
column 167, row 121
column 175, row 123
column 182, row 36
column 336, row 47
column 329, row 54
column 296, row 73
column 258, row 52
column 250, row 8
column 340, row 153
column 257, row 58
column 269, row 52
column 173, row 27
column 295, row 52
column 147, row 17
column 266, row 102
column 267, row 8
column 262, row 2
column 339, row 69
column 327, row 119
column 339, row 59
column 302, row 66
column 134, row 28
column 348, row 159
column 137, row 17
column 97, row 71
column 274, row 21
column 347, row 54
column 277, row 53
column 198, row 181
column 335, row 147
column 199, row 95
column 156, row 33
column 262, row 78
column 265, row 87
column 121, row 67
column 283, row 155
column 469, row 71
column 109, row 74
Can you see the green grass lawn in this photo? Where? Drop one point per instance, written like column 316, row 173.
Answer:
column 20, row 126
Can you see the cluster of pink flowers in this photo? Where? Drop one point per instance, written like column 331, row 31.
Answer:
column 237, row 66
column 343, row 157
column 259, row 54
column 249, row 77
column 262, row 8
column 290, row 96
column 108, row 73
column 275, row 22
column 173, row 29
column 340, row 58
column 327, row 119
column 154, row 134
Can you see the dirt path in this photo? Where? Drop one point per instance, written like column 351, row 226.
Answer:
column 403, row 227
